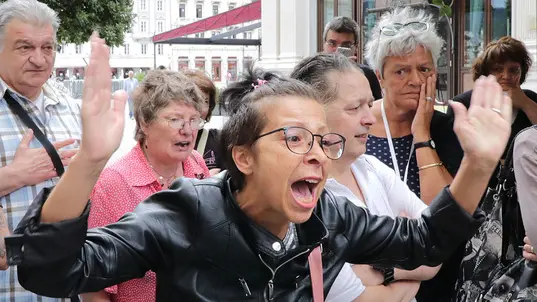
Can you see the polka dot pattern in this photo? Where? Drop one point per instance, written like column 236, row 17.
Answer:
column 379, row 148
column 121, row 187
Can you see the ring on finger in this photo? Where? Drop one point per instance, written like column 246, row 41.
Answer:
column 428, row 99
column 496, row 110
column 532, row 250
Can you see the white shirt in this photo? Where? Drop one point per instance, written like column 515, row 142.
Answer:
column 385, row 194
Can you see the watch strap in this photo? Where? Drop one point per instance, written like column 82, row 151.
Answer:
column 428, row 143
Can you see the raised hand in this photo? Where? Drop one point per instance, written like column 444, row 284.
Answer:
column 483, row 130
column 102, row 114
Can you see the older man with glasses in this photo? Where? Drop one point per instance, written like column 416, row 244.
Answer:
column 341, row 35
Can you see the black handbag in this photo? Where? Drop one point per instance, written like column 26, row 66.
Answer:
column 492, row 268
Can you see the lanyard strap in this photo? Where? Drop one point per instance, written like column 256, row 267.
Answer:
column 392, row 149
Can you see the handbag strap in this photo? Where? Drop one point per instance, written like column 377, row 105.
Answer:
column 203, row 141
column 512, row 226
column 27, row 120
column 316, row 273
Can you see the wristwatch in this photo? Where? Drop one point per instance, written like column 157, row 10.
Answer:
column 430, row 143
column 388, row 274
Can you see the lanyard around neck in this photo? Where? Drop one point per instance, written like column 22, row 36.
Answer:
column 392, row 149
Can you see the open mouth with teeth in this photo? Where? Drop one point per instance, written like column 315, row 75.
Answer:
column 304, row 192
column 182, row 144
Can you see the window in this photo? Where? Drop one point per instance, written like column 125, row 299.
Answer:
column 200, row 35
column 231, row 6
column 199, row 11
column 182, row 10
column 160, row 49
column 143, row 26
column 215, row 9
column 160, row 26
column 231, row 69
column 126, row 49
column 142, row 5
column 61, row 48
column 216, row 68
column 111, row 50
column 215, row 33
column 246, row 63
column 78, row 48
column 200, row 63
column 144, row 49
column 183, row 63
column 159, row 5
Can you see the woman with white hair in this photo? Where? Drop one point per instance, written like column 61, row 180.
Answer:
column 413, row 139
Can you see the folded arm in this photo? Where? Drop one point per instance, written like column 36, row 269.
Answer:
column 407, row 244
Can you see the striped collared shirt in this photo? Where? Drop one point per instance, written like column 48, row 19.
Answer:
column 61, row 122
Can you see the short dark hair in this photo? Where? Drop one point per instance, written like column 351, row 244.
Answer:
column 343, row 25
column 205, row 84
column 243, row 101
column 500, row 51
column 314, row 71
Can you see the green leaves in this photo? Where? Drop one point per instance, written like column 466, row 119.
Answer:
column 445, row 10
column 112, row 18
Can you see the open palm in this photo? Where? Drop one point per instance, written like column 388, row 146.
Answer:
column 102, row 113
column 483, row 130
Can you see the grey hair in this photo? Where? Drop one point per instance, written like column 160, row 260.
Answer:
column 314, row 71
column 403, row 42
column 29, row 11
column 343, row 25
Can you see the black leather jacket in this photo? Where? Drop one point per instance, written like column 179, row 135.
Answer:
column 204, row 248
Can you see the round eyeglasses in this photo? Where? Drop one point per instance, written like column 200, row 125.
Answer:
column 393, row 29
column 178, row 124
column 300, row 141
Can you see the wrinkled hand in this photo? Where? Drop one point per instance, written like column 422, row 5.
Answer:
column 528, row 251
column 421, row 125
column 102, row 118
column 34, row 164
column 482, row 132
column 368, row 275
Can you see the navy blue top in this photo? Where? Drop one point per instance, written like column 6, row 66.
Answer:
column 379, row 148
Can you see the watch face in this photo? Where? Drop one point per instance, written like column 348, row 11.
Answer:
column 433, row 144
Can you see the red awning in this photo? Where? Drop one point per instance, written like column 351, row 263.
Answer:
column 242, row 14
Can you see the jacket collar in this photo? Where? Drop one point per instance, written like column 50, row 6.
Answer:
column 310, row 233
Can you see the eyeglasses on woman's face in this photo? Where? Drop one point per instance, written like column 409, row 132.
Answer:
column 300, row 141
column 177, row 124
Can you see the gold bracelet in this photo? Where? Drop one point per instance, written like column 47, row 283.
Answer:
column 431, row 165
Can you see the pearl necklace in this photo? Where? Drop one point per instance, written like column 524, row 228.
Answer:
column 161, row 178
column 163, row 181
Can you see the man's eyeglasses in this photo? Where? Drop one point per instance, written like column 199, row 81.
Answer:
column 300, row 141
column 334, row 44
column 178, row 124
column 393, row 29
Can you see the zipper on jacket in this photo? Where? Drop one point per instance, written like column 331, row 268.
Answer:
column 270, row 285
column 245, row 287
column 242, row 281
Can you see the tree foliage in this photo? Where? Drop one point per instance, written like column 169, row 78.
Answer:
column 112, row 18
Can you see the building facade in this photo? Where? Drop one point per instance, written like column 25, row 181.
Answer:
column 293, row 29
column 138, row 53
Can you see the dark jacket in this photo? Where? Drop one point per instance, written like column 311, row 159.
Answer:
column 521, row 121
column 204, row 248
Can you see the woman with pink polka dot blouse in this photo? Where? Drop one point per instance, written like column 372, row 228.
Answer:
column 167, row 111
